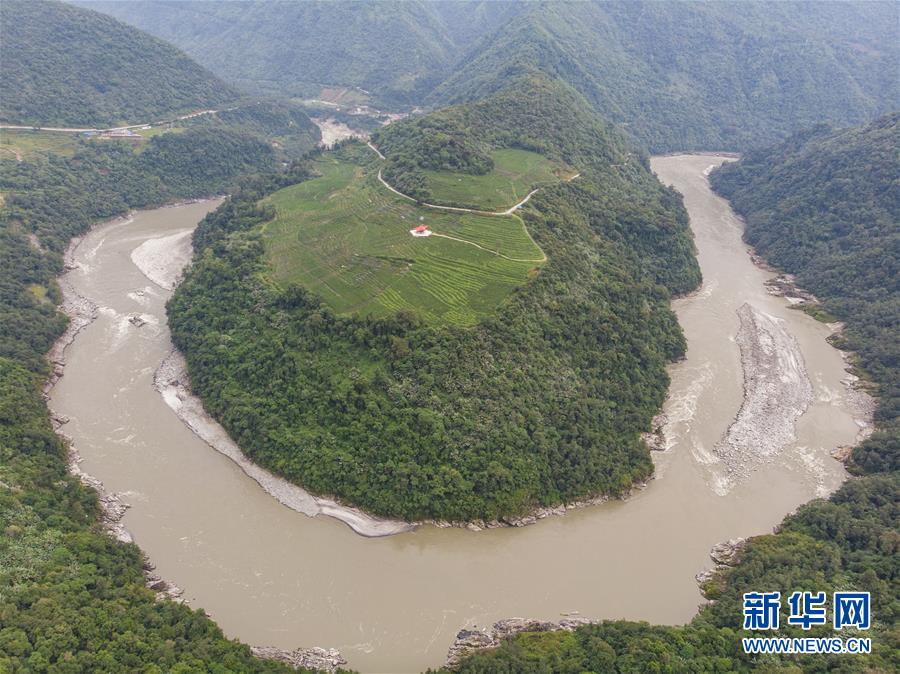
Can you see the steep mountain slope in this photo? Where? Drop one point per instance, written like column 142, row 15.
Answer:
column 683, row 76
column 68, row 66
column 395, row 49
column 825, row 205
column 676, row 75
column 540, row 401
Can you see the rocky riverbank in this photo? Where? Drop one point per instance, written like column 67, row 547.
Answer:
column 857, row 390
column 334, row 131
column 172, row 382
column 471, row 641
column 319, row 659
column 80, row 310
column 724, row 555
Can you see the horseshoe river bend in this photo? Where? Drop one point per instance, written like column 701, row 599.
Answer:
column 753, row 414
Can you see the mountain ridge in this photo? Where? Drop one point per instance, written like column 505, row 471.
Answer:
column 68, row 66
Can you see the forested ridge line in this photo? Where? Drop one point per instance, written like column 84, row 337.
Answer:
column 823, row 205
column 675, row 75
column 541, row 403
column 69, row 66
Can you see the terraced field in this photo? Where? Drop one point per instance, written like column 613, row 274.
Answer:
column 515, row 174
column 347, row 238
column 24, row 144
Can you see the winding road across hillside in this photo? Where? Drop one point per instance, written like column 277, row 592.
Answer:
column 69, row 129
column 509, row 211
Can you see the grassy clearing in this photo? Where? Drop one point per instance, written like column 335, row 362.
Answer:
column 346, row 237
column 515, row 174
column 24, row 143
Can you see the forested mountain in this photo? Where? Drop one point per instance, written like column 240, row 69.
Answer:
column 825, row 205
column 699, row 75
column 283, row 125
column 68, row 66
column 676, row 75
column 398, row 50
column 542, row 401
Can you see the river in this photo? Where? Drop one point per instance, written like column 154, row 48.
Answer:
column 272, row 576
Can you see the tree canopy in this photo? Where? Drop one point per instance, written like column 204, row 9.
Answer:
column 68, row 66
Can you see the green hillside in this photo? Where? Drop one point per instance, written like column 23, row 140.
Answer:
column 825, row 205
column 68, row 66
column 346, row 237
column 541, row 400
column 676, row 75
column 686, row 76
column 397, row 50
column 514, row 174
column 281, row 124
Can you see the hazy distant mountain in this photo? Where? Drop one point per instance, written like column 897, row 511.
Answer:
column 399, row 50
column 678, row 75
column 64, row 65
column 701, row 75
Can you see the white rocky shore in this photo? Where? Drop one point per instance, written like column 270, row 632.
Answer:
column 326, row 660
column 471, row 641
column 172, row 382
column 858, row 391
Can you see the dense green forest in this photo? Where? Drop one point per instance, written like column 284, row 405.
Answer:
column 68, row 66
column 396, row 50
column 73, row 599
column 285, row 126
column 699, row 75
column 676, row 75
column 540, row 403
column 824, row 205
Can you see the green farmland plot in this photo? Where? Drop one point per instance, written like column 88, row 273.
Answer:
column 515, row 174
column 346, row 237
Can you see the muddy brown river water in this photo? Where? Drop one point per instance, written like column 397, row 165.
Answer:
column 273, row 576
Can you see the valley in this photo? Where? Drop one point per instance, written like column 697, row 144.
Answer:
column 232, row 546
column 447, row 335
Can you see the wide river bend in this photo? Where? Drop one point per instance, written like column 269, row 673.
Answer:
column 273, row 576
